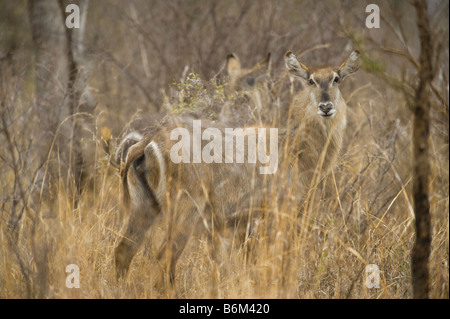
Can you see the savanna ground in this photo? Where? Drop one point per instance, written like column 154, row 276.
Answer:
column 140, row 56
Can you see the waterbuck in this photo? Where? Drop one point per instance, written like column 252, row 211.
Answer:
column 317, row 116
column 221, row 192
column 248, row 92
column 244, row 79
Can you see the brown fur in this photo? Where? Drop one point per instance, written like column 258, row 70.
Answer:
column 247, row 92
column 244, row 79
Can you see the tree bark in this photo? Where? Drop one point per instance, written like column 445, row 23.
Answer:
column 50, row 47
column 61, row 90
column 78, row 93
column 421, row 132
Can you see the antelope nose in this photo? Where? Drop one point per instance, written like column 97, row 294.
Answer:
column 325, row 107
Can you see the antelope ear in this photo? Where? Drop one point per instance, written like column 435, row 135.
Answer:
column 233, row 65
column 295, row 67
column 350, row 65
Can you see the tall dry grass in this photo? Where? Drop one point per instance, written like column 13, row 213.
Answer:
column 359, row 214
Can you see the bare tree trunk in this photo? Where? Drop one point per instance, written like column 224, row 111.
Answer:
column 78, row 94
column 50, row 45
column 61, row 88
column 421, row 131
column 61, row 91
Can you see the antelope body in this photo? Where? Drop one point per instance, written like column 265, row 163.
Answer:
column 212, row 197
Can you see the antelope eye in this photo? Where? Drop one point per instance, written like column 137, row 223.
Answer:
column 336, row 79
column 311, row 82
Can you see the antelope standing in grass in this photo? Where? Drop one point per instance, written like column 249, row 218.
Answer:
column 198, row 196
column 317, row 116
column 244, row 79
column 253, row 85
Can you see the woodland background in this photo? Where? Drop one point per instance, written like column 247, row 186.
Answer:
column 68, row 96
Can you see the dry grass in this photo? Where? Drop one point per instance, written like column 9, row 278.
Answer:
column 359, row 214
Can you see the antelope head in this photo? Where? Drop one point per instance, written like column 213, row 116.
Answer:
column 323, row 82
column 244, row 79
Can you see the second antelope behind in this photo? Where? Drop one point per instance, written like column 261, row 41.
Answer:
column 210, row 198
